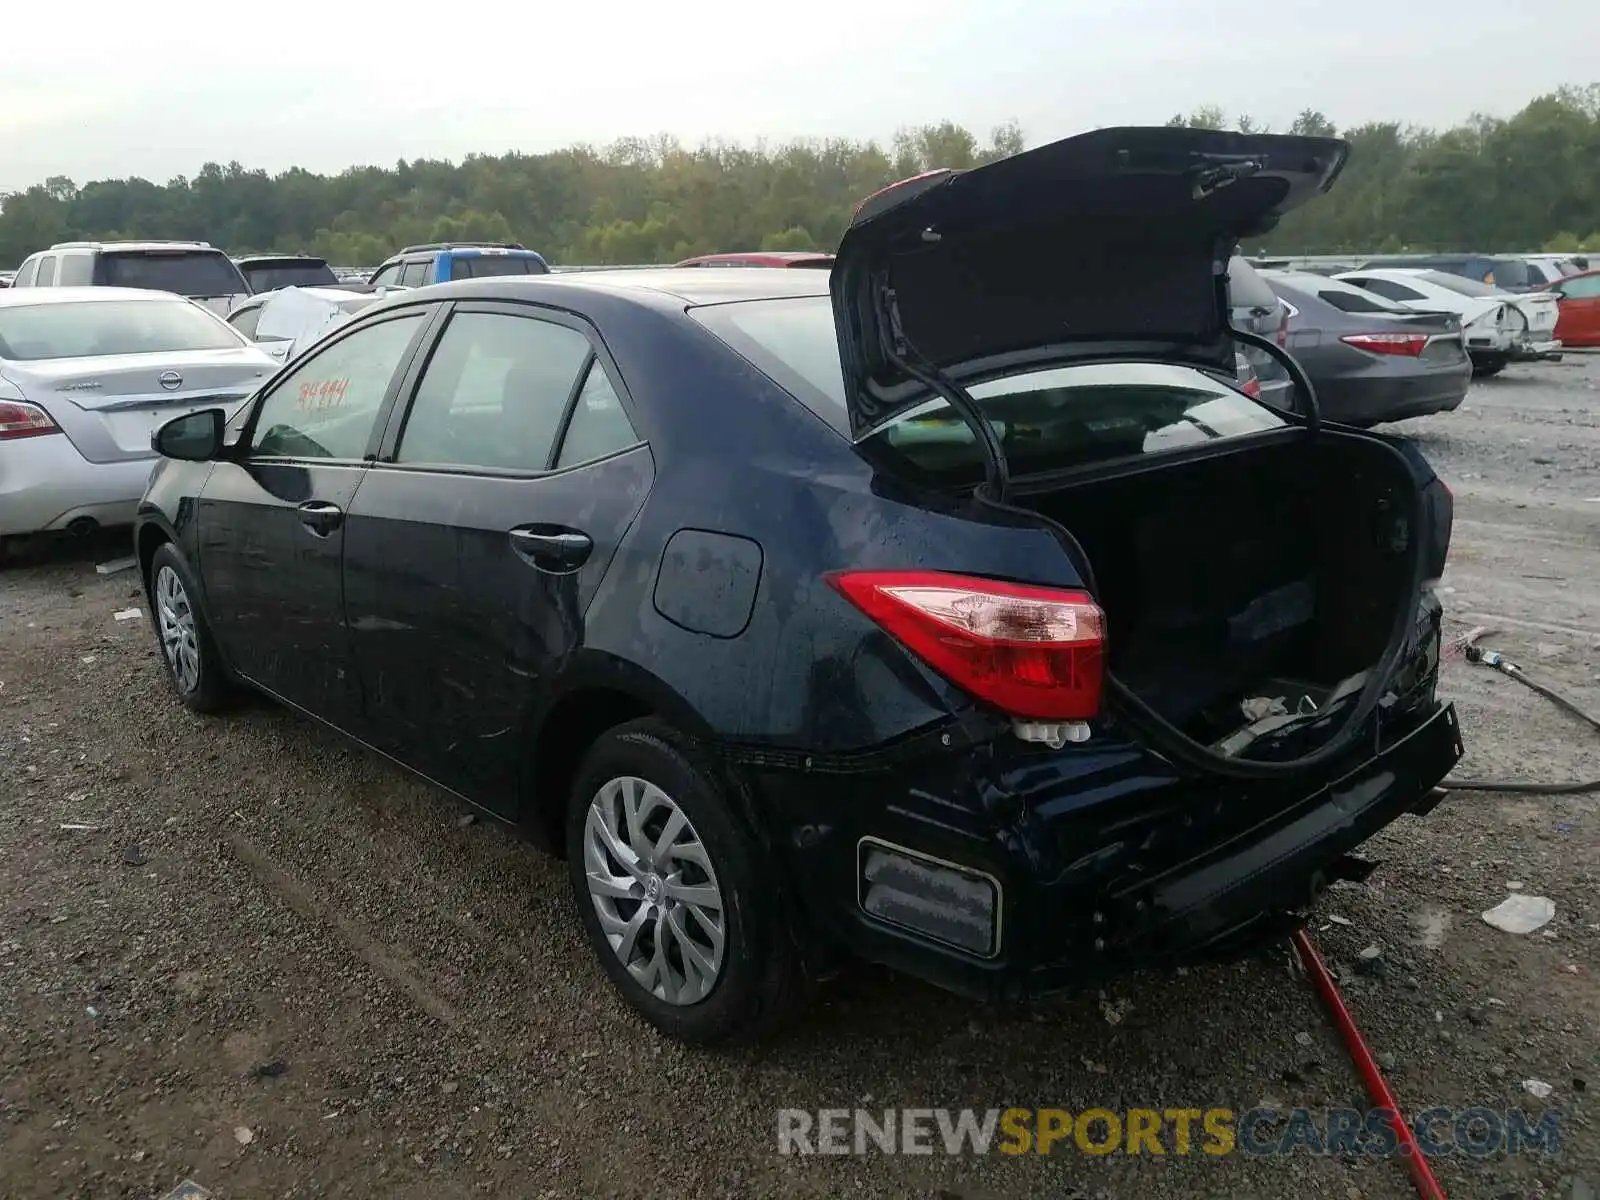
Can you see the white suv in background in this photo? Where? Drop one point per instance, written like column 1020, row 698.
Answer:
column 197, row 270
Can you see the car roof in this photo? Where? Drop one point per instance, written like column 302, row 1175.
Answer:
column 688, row 285
column 79, row 295
column 205, row 247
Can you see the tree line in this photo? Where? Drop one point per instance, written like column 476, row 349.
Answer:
column 1526, row 182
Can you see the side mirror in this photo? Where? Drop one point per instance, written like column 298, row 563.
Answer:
column 193, row 437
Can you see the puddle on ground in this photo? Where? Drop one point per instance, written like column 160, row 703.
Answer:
column 1431, row 925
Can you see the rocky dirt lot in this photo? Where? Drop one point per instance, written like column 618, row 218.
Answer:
column 241, row 952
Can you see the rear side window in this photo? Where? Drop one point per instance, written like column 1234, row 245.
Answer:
column 245, row 322
column 483, row 266
column 599, row 426
column 74, row 271
column 196, row 273
column 47, row 271
column 494, row 393
column 1046, row 420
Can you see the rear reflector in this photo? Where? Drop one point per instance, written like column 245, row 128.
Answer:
column 18, row 420
column 1407, row 345
column 1029, row 651
column 941, row 901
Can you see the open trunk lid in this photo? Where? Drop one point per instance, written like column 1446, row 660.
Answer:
column 1112, row 244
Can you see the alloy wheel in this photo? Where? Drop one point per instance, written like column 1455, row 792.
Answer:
column 176, row 621
column 655, row 890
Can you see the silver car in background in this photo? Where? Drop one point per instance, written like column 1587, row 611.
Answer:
column 86, row 374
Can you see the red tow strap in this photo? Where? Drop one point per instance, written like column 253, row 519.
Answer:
column 1377, row 1088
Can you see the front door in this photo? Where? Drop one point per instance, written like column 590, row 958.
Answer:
column 477, row 541
column 1579, row 323
column 271, row 519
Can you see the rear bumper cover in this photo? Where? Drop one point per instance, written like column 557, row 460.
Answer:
column 45, row 485
column 1534, row 351
column 1365, row 399
column 1121, row 866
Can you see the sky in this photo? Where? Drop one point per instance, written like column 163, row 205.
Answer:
column 159, row 88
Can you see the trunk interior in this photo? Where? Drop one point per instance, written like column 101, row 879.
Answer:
column 1268, row 574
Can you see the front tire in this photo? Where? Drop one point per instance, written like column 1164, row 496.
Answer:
column 673, row 891
column 193, row 665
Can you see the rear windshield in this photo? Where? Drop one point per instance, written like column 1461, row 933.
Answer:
column 1045, row 419
column 269, row 277
column 482, row 266
column 1459, row 284
column 197, row 273
column 92, row 328
column 1346, row 297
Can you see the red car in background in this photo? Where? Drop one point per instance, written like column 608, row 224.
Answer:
column 1579, row 321
column 762, row 258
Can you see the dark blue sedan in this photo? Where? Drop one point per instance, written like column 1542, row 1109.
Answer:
column 948, row 610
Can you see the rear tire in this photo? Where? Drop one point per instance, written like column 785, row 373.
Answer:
column 1483, row 368
column 189, row 655
column 674, row 893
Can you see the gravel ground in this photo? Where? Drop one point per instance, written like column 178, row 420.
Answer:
column 279, row 967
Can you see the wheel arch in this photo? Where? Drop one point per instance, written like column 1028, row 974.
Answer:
column 597, row 693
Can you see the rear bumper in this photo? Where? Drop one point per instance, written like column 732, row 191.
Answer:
column 46, row 485
column 1367, row 399
column 1111, row 864
column 1535, row 351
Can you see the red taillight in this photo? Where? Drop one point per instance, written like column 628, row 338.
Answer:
column 19, row 420
column 899, row 191
column 1408, row 345
column 1030, row 651
column 1251, row 387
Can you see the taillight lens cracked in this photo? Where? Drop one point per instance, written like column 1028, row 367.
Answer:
column 1030, row 651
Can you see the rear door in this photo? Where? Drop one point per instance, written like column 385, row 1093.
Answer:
column 478, row 539
column 271, row 521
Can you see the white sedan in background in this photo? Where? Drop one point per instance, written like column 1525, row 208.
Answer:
column 1499, row 327
column 86, row 374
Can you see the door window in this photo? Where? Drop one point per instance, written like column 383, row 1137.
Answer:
column 599, row 426
column 415, row 274
column 25, row 277
column 47, row 271
column 493, row 393
column 387, row 277
column 326, row 406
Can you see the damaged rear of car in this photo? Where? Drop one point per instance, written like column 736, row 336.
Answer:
column 1174, row 728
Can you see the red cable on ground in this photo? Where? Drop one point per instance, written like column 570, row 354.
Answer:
column 1377, row 1088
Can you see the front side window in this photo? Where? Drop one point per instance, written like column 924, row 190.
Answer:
column 493, row 393
column 387, row 276
column 414, row 274
column 1046, row 419
column 99, row 328
column 27, row 275
column 326, row 406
